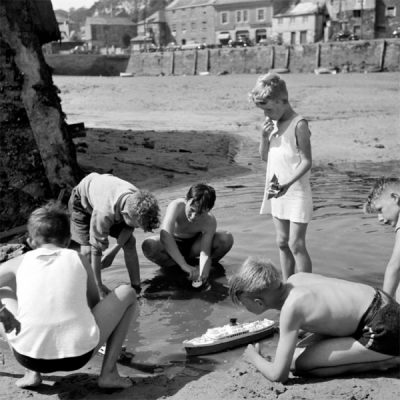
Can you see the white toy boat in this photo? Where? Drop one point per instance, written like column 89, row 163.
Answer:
column 229, row 336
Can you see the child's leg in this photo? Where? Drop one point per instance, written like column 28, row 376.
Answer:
column 341, row 355
column 285, row 254
column 297, row 243
column 155, row 252
column 9, row 299
column 113, row 315
column 221, row 244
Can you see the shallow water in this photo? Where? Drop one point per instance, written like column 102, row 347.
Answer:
column 342, row 241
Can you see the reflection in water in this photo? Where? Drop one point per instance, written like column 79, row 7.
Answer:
column 342, row 241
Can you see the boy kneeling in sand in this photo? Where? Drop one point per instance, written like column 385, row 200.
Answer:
column 384, row 199
column 358, row 326
column 56, row 301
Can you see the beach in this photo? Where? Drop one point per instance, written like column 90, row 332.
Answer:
column 165, row 133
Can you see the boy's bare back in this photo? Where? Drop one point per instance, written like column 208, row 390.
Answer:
column 326, row 305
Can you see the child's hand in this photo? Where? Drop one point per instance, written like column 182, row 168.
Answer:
column 267, row 128
column 192, row 272
column 251, row 352
column 9, row 321
column 282, row 190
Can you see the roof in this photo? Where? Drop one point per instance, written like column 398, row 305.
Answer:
column 157, row 17
column 300, row 9
column 188, row 3
column 108, row 21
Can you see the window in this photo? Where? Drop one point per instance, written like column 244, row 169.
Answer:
column 280, row 21
column 357, row 13
column 224, row 18
column 261, row 14
column 391, row 11
column 305, row 19
column 173, row 27
column 245, row 15
column 292, row 37
column 238, row 16
column 193, row 26
column 303, row 37
column 204, row 25
column 292, row 20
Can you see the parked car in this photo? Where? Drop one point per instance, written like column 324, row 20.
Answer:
column 193, row 46
column 79, row 50
column 343, row 36
column 396, row 33
column 241, row 42
column 265, row 42
column 172, row 46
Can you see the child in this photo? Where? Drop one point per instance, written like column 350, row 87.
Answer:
column 384, row 199
column 285, row 147
column 63, row 323
column 360, row 325
column 188, row 231
column 102, row 206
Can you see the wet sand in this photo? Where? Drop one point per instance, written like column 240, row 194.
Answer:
column 165, row 133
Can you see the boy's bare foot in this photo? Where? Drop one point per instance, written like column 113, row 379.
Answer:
column 114, row 381
column 30, row 379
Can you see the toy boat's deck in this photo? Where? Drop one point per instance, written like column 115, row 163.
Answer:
column 230, row 342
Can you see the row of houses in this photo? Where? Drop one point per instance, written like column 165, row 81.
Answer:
column 214, row 22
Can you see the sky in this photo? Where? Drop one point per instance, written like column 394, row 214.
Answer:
column 67, row 4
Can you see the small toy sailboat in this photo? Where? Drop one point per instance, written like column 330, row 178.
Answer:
column 274, row 188
column 229, row 336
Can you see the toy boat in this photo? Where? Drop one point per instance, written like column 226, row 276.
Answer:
column 229, row 336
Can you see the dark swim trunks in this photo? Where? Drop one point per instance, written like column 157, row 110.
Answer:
column 379, row 328
column 185, row 245
column 45, row 366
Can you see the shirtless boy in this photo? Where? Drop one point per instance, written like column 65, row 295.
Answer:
column 384, row 199
column 188, row 231
column 358, row 326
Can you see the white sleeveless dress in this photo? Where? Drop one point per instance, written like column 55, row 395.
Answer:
column 283, row 159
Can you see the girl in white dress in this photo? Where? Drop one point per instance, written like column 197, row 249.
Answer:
column 285, row 147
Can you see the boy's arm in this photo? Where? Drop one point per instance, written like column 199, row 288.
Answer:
column 92, row 292
column 392, row 272
column 278, row 370
column 303, row 135
column 266, row 130
column 206, row 248
column 168, row 241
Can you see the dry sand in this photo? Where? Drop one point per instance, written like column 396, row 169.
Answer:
column 172, row 130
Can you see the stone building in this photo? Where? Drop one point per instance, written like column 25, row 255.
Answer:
column 191, row 21
column 300, row 24
column 251, row 19
column 109, row 32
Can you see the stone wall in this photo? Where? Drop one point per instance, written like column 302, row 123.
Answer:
column 355, row 56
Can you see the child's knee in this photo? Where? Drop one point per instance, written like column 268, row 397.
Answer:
column 126, row 294
column 297, row 246
column 282, row 242
column 224, row 241
column 149, row 247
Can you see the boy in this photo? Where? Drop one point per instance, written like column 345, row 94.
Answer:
column 360, row 326
column 188, row 231
column 62, row 321
column 384, row 199
column 102, row 206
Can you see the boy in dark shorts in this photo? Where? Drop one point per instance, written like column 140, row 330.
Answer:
column 189, row 231
column 60, row 323
column 103, row 206
column 357, row 327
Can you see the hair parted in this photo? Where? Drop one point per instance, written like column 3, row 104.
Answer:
column 381, row 187
column 203, row 196
column 255, row 275
column 144, row 206
column 49, row 224
column 269, row 86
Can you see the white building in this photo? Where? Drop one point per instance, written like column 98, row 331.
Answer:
column 299, row 24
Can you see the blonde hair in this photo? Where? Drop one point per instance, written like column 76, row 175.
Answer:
column 382, row 187
column 49, row 224
column 255, row 275
column 269, row 86
column 143, row 206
